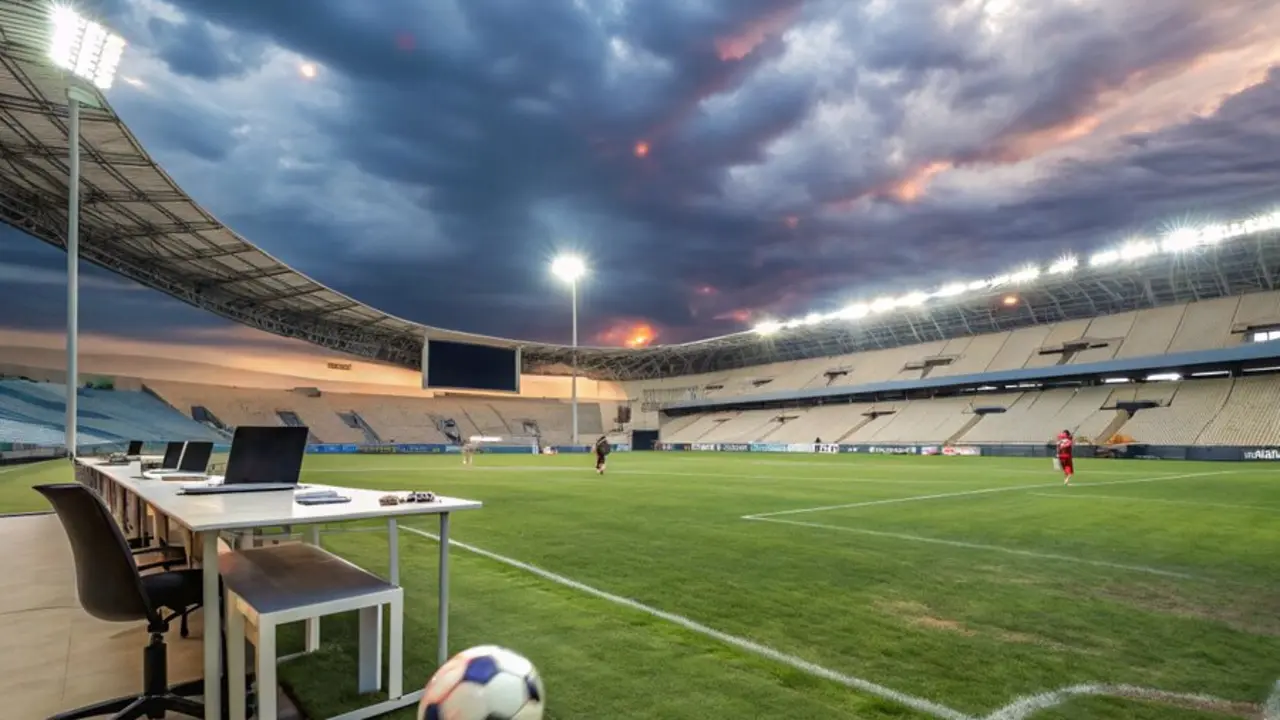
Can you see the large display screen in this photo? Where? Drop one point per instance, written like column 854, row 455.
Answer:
column 470, row 366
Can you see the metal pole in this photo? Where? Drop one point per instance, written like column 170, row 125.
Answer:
column 573, row 290
column 73, row 269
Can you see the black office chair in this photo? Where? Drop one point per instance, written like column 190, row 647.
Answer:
column 111, row 588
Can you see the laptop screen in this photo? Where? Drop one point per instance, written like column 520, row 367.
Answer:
column 172, row 454
column 135, row 448
column 196, row 457
column 266, row 455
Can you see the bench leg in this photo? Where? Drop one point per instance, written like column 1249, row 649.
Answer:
column 395, row 651
column 370, row 649
column 235, row 658
column 266, row 678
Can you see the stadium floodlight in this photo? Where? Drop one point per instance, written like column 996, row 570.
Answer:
column 1180, row 240
column 914, row 299
column 1138, row 249
column 1106, row 257
column 1025, row 275
column 83, row 47
column 91, row 53
column 855, row 311
column 1064, row 265
column 571, row 268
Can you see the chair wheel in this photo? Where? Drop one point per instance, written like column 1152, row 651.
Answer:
column 184, row 632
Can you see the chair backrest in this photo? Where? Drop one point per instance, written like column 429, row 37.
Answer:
column 107, row 579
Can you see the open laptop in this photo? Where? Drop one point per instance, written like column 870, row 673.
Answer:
column 131, row 454
column 262, row 459
column 193, row 464
column 172, row 456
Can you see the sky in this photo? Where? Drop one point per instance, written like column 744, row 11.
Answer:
column 716, row 162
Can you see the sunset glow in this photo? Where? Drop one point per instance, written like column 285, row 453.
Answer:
column 627, row 333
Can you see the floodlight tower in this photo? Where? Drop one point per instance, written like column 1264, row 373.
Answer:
column 570, row 269
column 90, row 53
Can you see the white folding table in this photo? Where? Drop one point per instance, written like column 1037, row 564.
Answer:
column 207, row 516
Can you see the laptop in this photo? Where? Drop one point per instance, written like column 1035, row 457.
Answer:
column 193, row 465
column 172, row 455
column 262, row 459
column 131, row 454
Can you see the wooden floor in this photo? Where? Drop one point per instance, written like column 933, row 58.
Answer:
column 53, row 656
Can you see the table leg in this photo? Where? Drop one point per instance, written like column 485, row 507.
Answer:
column 312, row 624
column 393, row 550
column 442, row 655
column 212, row 626
column 161, row 528
column 235, row 659
column 395, row 688
column 140, row 519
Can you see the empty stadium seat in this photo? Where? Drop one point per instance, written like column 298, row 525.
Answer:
column 388, row 418
column 36, row 413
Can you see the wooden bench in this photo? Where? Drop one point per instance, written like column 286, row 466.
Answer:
column 266, row 587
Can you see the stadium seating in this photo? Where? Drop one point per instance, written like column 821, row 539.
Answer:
column 1207, row 325
column 1191, row 408
column 358, row 418
column 804, row 425
column 1222, row 411
column 1248, row 417
column 921, row 421
column 35, row 413
column 1235, row 412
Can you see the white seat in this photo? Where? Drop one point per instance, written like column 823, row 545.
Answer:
column 268, row 586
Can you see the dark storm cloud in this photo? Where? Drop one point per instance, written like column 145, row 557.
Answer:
column 716, row 161
column 190, row 48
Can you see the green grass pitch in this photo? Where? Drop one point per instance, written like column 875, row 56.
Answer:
column 921, row 587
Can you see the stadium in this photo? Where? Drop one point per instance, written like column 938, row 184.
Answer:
column 850, row 514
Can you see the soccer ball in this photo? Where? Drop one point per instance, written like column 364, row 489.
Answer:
column 484, row 683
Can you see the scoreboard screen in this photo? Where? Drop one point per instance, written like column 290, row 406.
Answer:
column 449, row 365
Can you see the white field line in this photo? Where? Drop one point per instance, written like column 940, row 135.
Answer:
column 1019, row 709
column 983, row 546
column 1271, row 710
column 1026, row 707
column 970, row 493
column 916, row 703
column 1130, row 498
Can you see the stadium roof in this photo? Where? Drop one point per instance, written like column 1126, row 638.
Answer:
column 137, row 222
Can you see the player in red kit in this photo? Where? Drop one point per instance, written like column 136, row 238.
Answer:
column 1065, row 446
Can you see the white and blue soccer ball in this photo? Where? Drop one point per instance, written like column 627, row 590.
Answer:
column 484, row 683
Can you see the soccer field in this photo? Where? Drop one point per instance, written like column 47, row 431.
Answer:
column 738, row 586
